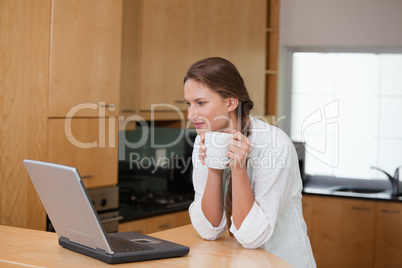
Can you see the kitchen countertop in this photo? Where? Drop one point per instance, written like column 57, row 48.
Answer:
column 31, row 248
column 327, row 187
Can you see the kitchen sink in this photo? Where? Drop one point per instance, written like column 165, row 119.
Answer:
column 357, row 190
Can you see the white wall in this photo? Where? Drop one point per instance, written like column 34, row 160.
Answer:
column 341, row 23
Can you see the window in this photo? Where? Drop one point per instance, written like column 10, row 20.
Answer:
column 347, row 107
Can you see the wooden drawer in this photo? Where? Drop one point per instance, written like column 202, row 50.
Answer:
column 89, row 144
column 156, row 224
column 160, row 223
column 137, row 226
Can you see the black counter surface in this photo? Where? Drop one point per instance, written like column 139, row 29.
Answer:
column 131, row 212
column 328, row 187
column 320, row 186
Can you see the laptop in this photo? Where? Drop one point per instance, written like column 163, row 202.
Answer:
column 78, row 226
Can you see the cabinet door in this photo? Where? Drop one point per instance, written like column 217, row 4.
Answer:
column 182, row 218
column 234, row 30
column 160, row 223
column 138, row 226
column 165, row 52
column 388, row 236
column 156, row 224
column 90, row 145
column 130, row 57
column 85, row 56
column 24, row 83
column 343, row 234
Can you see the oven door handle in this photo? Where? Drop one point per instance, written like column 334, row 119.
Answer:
column 112, row 219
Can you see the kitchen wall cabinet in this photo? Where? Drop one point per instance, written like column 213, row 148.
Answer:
column 130, row 57
column 157, row 223
column 234, row 30
column 174, row 34
column 85, row 85
column 388, row 236
column 272, row 48
column 85, row 56
column 54, row 55
column 166, row 52
column 89, row 144
column 343, row 232
column 24, row 82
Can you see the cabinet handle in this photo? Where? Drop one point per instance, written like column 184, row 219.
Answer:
column 87, row 176
column 179, row 101
column 167, row 225
column 361, row 208
column 390, row 211
column 107, row 105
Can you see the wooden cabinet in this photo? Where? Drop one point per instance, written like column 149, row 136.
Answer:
column 234, row 30
column 388, row 235
column 156, row 224
column 89, row 144
column 347, row 232
column 156, row 51
column 130, row 58
column 84, row 88
column 166, row 52
column 24, row 83
column 343, row 232
column 272, row 47
column 85, row 56
column 176, row 33
column 138, row 226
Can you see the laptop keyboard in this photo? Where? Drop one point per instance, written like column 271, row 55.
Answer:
column 123, row 245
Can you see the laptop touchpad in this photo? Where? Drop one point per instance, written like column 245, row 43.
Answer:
column 146, row 241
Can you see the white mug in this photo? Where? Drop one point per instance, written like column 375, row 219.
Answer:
column 217, row 144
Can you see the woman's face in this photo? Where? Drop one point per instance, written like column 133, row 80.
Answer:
column 206, row 109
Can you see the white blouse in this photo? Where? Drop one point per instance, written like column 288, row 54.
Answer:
column 275, row 221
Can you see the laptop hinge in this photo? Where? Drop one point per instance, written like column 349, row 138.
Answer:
column 64, row 239
column 102, row 251
column 68, row 241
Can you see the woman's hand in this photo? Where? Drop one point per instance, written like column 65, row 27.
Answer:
column 239, row 148
column 202, row 152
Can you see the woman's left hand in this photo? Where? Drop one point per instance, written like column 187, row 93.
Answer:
column 239, row 148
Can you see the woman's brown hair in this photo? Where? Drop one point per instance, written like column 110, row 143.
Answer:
column 222, row 77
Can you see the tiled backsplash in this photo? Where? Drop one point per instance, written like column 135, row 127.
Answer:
column 153, row 144
column 155, row 158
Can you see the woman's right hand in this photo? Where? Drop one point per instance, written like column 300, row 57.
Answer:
column 202, row 152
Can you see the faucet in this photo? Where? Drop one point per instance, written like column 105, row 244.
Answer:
column 394, row 180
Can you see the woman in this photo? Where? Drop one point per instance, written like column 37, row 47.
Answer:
column 262, row 206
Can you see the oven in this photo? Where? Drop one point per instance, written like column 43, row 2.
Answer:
column 106, row 204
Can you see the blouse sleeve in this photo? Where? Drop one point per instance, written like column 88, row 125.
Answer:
column 273, row 170
column 200, row 223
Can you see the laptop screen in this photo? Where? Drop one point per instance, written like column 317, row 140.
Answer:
column 67, row 203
